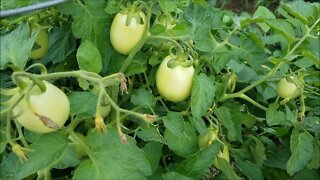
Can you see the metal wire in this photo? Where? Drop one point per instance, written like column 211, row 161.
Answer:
column 30, row 8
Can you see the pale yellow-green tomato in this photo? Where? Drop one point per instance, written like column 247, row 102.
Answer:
column 124, row 38
column 46, row 112
column 287, row 89
column 208, row 138
column 42, row 41
column 174, row 84
column 224, row 154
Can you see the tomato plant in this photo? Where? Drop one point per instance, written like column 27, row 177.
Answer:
column 144, row 89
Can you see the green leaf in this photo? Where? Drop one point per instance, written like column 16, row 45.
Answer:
column 69, row 158
column 167, row 6
column 153, row 152
column 299, row 9
column 151, row 133
column 9, row 166
column 301, row 145
column 51, row 146
column 199, row 124
column 258, row 151
column 88, row 57
column 224, row 116
column 264, row 13
column 89, row 21
column 174, row 176
column 227, row 169
column 275, row 117
column 249, row 169
column 202, row 96
column 283, row 27
column 16, row 47
column 198, row 165
column 113, row 6
column 83, row 104
column 181, row 136
column 315, row 161
column 111, row 159
column 278, row 159
column 221, row 57
column 202, row 21
column 61, row 44
column 143, row 98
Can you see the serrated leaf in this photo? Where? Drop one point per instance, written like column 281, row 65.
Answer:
column 249, row 169
column 224, row 116
column 151, row 133
column 199, row 124
column 167, row 6
column 153, row 152
column 180, row 136
column 202, row 21
column 283, row 27
column 275, row 117
column 258, row 151
column 89, row 21
column 202, row 96
column 88, row 57
column 301, row 145
column 112, row 7
column 51, row 146
column 197, row 165
column 143, row 98
column 69, row 158
column 264, row 12
column 227, row 169
column 82, row 104
column 315, row 161
column 111, row 159
column 16, row 47
column 61, row 44
column 221, row 57
column 299, row 9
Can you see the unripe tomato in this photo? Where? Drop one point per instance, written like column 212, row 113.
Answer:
column 287, row 89
column 174, row 84
column 208, row 138
column 124, row 38
column 42, row 41
column 224, row 154
column 50, row 107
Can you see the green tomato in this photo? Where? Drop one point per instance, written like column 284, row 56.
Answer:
column 42, row 40
column 46, row 112
column 287, row 90
column 124, row 38
column 224, row 154
column 208, row 138
column 174, row 84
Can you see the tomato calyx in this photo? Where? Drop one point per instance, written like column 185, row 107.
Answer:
column 132, row 11
column 180, row 59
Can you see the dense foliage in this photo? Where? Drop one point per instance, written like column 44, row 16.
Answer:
column 214, row 110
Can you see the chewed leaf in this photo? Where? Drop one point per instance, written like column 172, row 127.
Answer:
column 48, row 122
